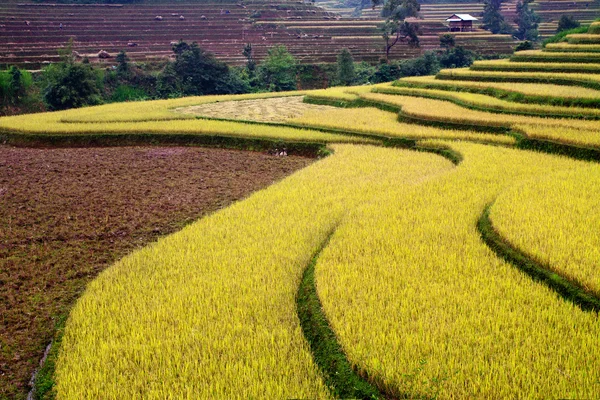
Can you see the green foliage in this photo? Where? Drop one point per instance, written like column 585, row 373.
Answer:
column 527, row 21
column 70, row 85
column 561, row 36
column 128, row 93
column 167, row 83
column 345, row 68
column 363, row 73
column 199, row 72
column 14, row 84
column 456, row 58
column 492, row 18
column 394, row 31
column 447, row 41
column 526, row 45
column 567, row 22
column 248, row 53
column 427, row 64
column 278, row 71
column 123, row 68
column 400, row 9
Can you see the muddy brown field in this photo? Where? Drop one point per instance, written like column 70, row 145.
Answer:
column 67, row 214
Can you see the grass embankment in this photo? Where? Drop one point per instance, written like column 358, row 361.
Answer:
column 527, row 93
column 540, row 231
column 211, row 311
column 492, row 104
column 555, row 57
column 423, row 306
column 508, row 65
column 591, row 81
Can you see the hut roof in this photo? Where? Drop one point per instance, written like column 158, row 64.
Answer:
column 461, row 17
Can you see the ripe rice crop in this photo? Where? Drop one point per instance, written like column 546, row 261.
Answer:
column 537, row 56
column 492, row 103
column 507, row 65
column 568, row 130
column 527, row 89
column 572, row 48
column 559, row 78
column 210, row 312
column 423, row 306
column 583, row 38
column 50, row 124
column 378, row 122
column 568, row 240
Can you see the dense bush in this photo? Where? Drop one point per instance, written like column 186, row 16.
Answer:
column 567, row 22
column 278, row 71
column 70, row 85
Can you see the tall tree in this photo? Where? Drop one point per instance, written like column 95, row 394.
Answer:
column 396, row 29
column 122, row 64
column 527, row 21
column 567, row 22
column 198, row 71
column 395, row 32
column 278, row 71
column 492, row 19
column 345, row 68
column 249, row 54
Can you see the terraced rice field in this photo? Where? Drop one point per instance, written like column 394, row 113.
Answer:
column 445, row 248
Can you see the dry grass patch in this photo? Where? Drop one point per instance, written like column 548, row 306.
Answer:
column 277, row 109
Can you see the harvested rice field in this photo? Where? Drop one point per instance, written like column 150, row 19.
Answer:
column 277, row 109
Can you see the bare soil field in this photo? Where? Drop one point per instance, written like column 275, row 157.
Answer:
column 67, row 214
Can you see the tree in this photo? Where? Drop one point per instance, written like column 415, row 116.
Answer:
column 527, row 21
column 122, row 64
column 567, row 22
column 345, row 68
column 278, row 70
column 457, row 57
column 447, row 41
column 70, row 85
column 399, row 31
column 396, row 29
column 198, row 72
column 492, row 19
column 400, row 9
column 250, row 63
column 16, row 87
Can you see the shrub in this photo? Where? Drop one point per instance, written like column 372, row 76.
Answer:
column 567, row 22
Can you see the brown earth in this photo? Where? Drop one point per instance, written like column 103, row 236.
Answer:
column 67, row 214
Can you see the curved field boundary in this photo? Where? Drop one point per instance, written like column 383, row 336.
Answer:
column 531, row 78
column 337, row 371
column 221, row 141
column 523, row 141
column 568, row 289
column 504, row 94
column 403, row 117
column 451, row 97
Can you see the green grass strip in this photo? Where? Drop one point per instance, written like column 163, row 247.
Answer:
column 569, row 290
column 310, row 149
column 337, row 371
column 43, row 382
